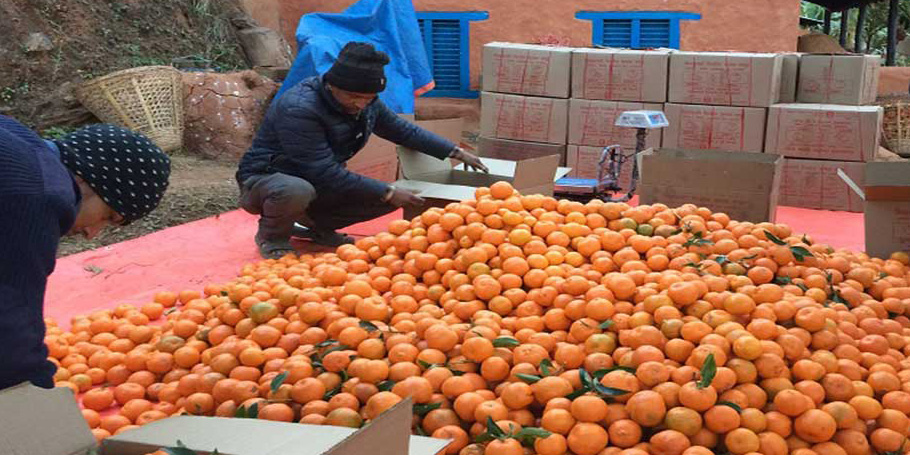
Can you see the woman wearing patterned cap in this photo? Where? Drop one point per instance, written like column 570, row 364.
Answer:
column 97, row 176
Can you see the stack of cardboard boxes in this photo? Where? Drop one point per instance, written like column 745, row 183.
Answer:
column 606, row 83
column 524, row 101
column 542, row 100
column 720, row 101
column 831, row 128
column 810, row 109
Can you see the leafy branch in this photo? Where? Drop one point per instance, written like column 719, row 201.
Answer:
column 424, row 409
column 800, row 253
column 785, row 280
column 735, row 406
column 246, row 413
column 697, row 239
column 526, row 435
column 593, row 385
column 505, row 342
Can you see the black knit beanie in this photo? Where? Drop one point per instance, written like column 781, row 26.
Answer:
column 359, row 68
column 123, row 167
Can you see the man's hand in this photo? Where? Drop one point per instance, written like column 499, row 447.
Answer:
column 400, row 197
column 470, row 160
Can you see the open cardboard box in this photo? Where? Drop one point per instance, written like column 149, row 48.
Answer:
column 35, row 421
column 440, row 183
column 743, row 185
column 886, row 196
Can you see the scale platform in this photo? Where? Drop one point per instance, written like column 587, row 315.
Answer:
column 569, row 185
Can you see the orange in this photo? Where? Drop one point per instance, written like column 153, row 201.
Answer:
column 742, row 441
column 722, row 419
column 276, row 411
column 503, row 447
column 699, row 399
column 558, row 421
column 587, row 408
column 98, row 399
column 379, row 403
column 647, row 408
column 624, row 433
column 587, row 438
column 460, row 438
column 669, row 442
column 555, row 444
column 815, row 426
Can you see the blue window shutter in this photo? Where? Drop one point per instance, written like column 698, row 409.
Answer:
column 654, row 33
column 617, row 33
column 445, row 38
column 636, row 29
column 446, row 58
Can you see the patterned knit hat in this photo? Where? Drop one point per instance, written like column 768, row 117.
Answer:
column 125, row 168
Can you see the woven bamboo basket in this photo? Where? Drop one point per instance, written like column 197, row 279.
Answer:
column 896, row 124
column 147, row 99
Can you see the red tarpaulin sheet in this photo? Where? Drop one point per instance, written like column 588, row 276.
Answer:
column 215, row 249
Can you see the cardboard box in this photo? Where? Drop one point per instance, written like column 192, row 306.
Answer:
column 740, row 184
column 507, row 149
column 35, row 421
column 620, row 75
column 584, row 161
column 789, row 76
column 725, row 79
column 722, row 128
column 886, row 195
column 592, row 123
column 527, row 69
column 824, row 131
column 439, row 183
column 838, row 79
column 814, row 184
column 378, row 159
column 524, row 118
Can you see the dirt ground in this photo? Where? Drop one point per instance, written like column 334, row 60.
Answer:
column 84, row 39
column 199, row 189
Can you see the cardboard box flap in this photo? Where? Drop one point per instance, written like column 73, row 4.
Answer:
column 731, row 169
column 508, row 167
column 449, row 128
column 534, row 172
column 888, row 174
column 415, row 164
column 850, row 183
column 431, row 190
column 744, row 185
column 230, row 436
column 887, row 182
column 714, row 155
column 389, row 434
column 36, row 421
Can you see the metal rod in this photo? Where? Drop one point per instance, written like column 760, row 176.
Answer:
column 844, row 23
column 859, row 42
column 891, row 58
column 827, row 27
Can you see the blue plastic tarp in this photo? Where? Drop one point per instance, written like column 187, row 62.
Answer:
column 390, row 25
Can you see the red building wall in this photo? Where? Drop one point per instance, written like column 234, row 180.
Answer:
column 737, row 25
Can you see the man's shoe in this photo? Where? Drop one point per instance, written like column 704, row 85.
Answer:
column 321, row 237
column 274, row 249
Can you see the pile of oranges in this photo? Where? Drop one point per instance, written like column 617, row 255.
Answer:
column 523, row 324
